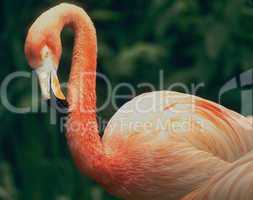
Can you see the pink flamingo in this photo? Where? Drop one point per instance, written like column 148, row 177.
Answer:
column 159, row 146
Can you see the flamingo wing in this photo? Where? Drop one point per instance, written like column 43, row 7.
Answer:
column 164, row 145
column 233, row 183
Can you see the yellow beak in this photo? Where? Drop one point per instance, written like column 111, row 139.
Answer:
column 49, row 82
column 56, row 87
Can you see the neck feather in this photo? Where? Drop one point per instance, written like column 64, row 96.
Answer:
column 82, row 132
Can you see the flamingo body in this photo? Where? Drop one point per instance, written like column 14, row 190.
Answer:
column 167, row 144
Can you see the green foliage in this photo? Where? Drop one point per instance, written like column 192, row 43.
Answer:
column 193, row 41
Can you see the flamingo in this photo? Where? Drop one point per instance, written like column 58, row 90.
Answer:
column 161, row 145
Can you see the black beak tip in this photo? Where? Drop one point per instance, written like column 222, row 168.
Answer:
column 59, row 104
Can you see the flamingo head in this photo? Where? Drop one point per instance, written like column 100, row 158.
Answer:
column 43, row 51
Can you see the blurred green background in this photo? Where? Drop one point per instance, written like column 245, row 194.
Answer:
column 193, row 41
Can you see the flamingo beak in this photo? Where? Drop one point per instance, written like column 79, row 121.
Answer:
column 57, row 100
column 50, row 86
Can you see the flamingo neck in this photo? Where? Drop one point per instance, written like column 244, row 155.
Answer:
column 82, row 129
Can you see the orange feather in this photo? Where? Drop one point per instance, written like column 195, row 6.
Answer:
column 160, row 145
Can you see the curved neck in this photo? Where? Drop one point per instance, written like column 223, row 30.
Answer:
column 82, row 130
column 82, row 81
